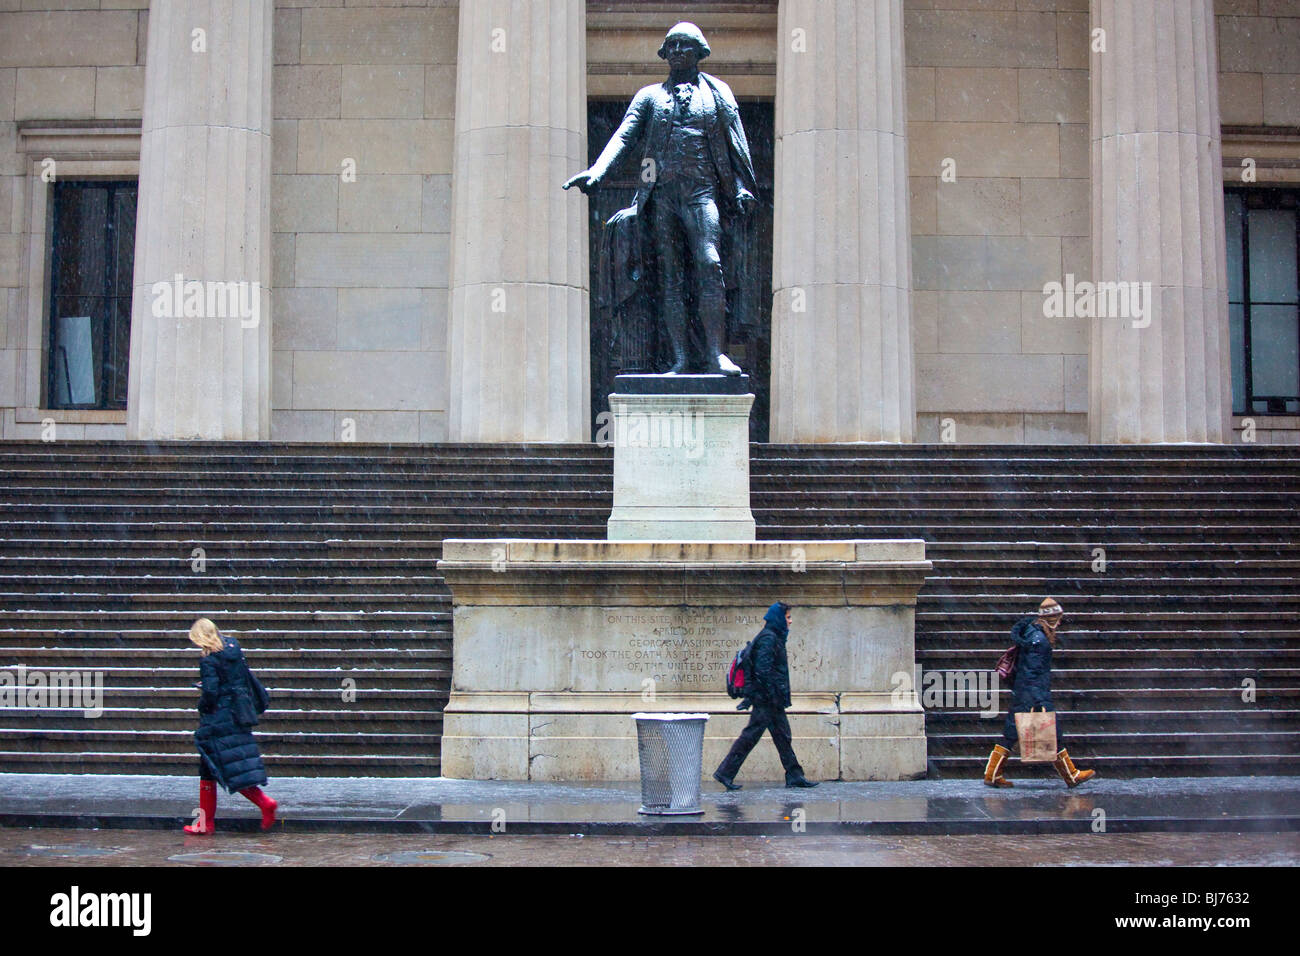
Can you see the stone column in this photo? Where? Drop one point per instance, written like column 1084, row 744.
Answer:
column 201, row 360
column 1157, row 218
column 842, row 273
column 518, row 342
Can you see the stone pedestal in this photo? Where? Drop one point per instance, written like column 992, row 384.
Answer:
column 558, row 643
column 681, row 461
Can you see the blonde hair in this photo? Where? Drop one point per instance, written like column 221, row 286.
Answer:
column 205, row 634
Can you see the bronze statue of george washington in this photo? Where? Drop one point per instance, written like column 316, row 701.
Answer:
column 696, row 175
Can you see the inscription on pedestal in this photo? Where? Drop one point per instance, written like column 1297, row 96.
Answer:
column 688, row 649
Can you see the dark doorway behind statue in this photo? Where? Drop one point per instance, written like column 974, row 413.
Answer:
column 627, row 339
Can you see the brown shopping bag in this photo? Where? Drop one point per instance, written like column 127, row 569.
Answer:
column 1037, row 732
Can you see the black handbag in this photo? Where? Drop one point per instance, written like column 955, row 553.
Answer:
column 253, row 701
column 261, row 696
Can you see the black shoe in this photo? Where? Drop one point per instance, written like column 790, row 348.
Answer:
column 800, row 783
column 729, row 784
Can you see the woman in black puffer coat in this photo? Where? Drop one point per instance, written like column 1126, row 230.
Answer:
column 1031, row 688
column 227, row 752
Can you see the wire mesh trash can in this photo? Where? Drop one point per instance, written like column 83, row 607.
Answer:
column 671, row 750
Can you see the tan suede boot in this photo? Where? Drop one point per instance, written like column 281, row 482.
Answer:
column 993, row 772
column 1071, row 774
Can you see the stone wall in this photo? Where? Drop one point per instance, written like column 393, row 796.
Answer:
column 81, row 62
column 1259, row 62
column 361, row 263
column 998, row 97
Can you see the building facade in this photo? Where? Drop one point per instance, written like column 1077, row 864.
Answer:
column 1009, row 221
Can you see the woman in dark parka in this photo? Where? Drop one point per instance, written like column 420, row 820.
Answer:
column 1035, row 636
column 227, row 752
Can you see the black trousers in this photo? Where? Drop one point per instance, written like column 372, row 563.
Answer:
column 763, row 717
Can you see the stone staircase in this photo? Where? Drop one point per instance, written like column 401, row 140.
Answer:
column 1195, row 588
column 321, row 558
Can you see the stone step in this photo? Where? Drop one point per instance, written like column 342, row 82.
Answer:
column 1096, row 620
column 1030, row 553
column 201, row 532
column 235, row 617
column 1129, row 765
column 569, row 488
column 366, row 584
column 1174, row 510
column 347, row 545
column 247, row 603
column 181, row 743
column 942, row 658
column 1124, row 699
column 216, row 564
column 1066, row 679
column 1118, row 745
column 945, row 582
column 432, row 654
column 1223, row 485
column 141, row 762
column 329, row 679
column 993, row 634
column 331, row 549
column 1099, row 534
column 431, row 694
column 975, row 730
column 436, row 638
column 355, row 719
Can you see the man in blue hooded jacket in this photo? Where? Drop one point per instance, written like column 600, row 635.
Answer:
column 770, row 696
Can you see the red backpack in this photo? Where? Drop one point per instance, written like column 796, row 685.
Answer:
column 738, row 673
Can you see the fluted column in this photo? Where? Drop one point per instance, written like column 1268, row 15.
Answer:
column 1157, row 217
column 200, row 364
column 842, row 271
column 518, row 342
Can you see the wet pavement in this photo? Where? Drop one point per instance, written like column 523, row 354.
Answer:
column 441, row 806
column 100, row 848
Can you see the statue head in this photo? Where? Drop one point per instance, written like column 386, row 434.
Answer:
column 685, row 38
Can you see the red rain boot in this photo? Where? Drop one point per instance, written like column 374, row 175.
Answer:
column 207, row 820
column 264, row 803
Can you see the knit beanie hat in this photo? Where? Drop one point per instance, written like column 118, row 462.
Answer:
column 1049, row 608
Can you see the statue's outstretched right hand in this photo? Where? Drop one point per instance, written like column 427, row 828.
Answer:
column 585, row 181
